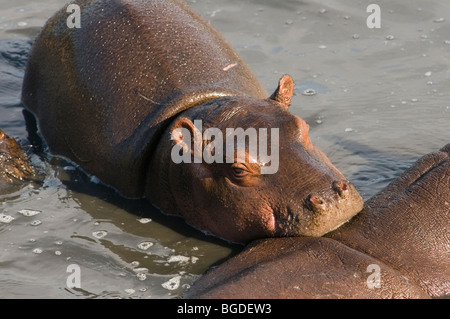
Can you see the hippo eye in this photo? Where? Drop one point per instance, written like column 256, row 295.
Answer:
column 239, row 170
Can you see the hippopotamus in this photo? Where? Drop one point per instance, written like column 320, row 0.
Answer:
column 14, row 165
column 396, row 247
column 119, row 94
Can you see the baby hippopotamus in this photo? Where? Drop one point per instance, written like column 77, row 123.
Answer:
column 14, row 166
column 142, row 82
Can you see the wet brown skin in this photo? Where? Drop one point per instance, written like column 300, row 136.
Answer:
column 404, row 230
column 14, row 165
column 109, row 95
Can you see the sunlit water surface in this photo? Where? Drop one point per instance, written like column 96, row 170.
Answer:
column 375, row 99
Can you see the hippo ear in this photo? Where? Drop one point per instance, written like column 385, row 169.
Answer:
column 186, row 136
column 284, row 91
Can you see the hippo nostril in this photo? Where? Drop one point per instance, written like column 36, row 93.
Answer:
column 316, row 200
column 315, row 203
column 340, row 187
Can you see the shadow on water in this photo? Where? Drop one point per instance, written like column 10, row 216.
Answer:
column 376, row 169
column 288, row 5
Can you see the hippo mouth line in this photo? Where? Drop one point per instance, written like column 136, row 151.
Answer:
column 306, row 223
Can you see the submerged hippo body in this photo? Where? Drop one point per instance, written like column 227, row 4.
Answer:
column 402, row 234
column 110, row 95
column 14, row 165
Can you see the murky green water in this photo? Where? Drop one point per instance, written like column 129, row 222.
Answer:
column 376, row 100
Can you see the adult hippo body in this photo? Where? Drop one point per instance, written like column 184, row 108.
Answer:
column 110, row 94
column 400, row 238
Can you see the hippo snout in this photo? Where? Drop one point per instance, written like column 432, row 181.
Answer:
column 322, row 202
column 321, row 212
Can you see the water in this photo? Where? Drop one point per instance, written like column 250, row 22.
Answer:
column 376, row 100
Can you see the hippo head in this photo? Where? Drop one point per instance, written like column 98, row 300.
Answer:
column 288, row 189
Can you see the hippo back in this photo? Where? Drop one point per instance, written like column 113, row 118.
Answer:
column 300, row 267
column 104, row 92
column 406, row 225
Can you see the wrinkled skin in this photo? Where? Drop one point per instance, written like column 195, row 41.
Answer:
column 404, row 230
column 109, row 95
column 14, row 166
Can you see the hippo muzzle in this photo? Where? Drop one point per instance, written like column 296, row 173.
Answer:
column 321, row 211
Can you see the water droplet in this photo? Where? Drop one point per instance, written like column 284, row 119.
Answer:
column 428, row 73
column 140, row 270
column 145, row 220
column 36, row 222
column 58, row 253
column 29, row 212
column 390, row 37
column 309, row 92
column 130, row 291
column 172, row 283
column 145, row 245
column 439, row 20
column 355, row 36
column 37, row 250
column 289, row 22
column 95, row 180
column 6, row 218
column 348, row 129
column 100, row 234
column 447, row 42
column 178, row 258
column 141, row 276
column 322, row 46
column 323, row 10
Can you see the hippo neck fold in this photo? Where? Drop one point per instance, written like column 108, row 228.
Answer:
column 143, row 143
column 190, row 100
